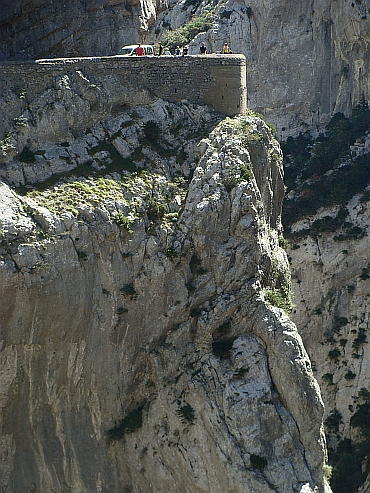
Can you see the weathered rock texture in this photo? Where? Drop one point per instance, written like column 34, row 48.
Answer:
column 138, row 352
column 331, row 285
column 71, row 28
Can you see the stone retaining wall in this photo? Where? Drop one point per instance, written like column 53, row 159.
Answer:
column 219, row 80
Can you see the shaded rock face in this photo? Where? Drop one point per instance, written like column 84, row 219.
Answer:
column 140, row 354
column 331, row 285
column 71, row 28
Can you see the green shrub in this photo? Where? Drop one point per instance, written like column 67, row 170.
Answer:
column 124, row 222
column 328, row 377
column 155, row 208
column 305, row 157
column 186, row 413
column 129, row 290
column 334, row 354
column 339, row 322
column 328, row 472
column 350, row 375
column 184, row 34
column 360, row 339
column 129, row 424
column 121, row 310
column 283, row 242
column 236, row 175
column 280, row 297
column 333, row 421
column 258, row 462
column 27, row 156
column 364, row 394
column 81, row 255
column 361, row 418
column 347, row 471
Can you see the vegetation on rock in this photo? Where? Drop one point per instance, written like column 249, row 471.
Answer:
column 322, row 173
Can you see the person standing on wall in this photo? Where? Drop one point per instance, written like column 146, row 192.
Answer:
column 185, row 51
column 225, row 48
column 203, row 49
column 140, row 50
column 160, row 51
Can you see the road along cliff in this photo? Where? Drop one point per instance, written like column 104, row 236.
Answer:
column 141, row 346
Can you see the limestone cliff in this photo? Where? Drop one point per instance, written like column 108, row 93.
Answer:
column 72, row 28
column 331, row 286
column 326, row 215
column 140, row 349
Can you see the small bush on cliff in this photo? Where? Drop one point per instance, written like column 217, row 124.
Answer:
column 280, row 297
column 235, row 175
column 345, row 458
column 333, row 421
column 350, row 455
column 129, row 424
column 184, row 34
column 258, row 462
column 155, row 208
column 124, row 222
column 186, row 413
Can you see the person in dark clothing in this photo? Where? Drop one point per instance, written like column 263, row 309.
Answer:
column 203, row 49
column 160, row 51
column 185, row 50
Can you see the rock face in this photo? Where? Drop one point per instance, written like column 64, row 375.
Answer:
column 42, row 29
column 331, row 285
column 139, row 349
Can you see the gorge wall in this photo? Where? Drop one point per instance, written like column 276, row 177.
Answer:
column 140, row 349
column 306, row 60
column 331, row 284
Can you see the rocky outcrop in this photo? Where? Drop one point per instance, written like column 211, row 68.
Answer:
column 140, row 350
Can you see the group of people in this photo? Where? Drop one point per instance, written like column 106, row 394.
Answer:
column 178, row 51
column 185, row 50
